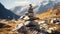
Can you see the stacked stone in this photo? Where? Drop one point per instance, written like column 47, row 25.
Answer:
column 30, row 11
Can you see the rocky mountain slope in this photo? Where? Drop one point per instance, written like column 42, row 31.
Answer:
column 7, row 14
column 47, row 14
column 50, row 13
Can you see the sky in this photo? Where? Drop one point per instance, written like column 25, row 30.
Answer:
column 13, row 3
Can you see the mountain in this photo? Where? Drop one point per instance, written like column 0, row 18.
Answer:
column 19, row 10
column 50, row 4
column 39, row 8
column 15, row 9
column 7, row 14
